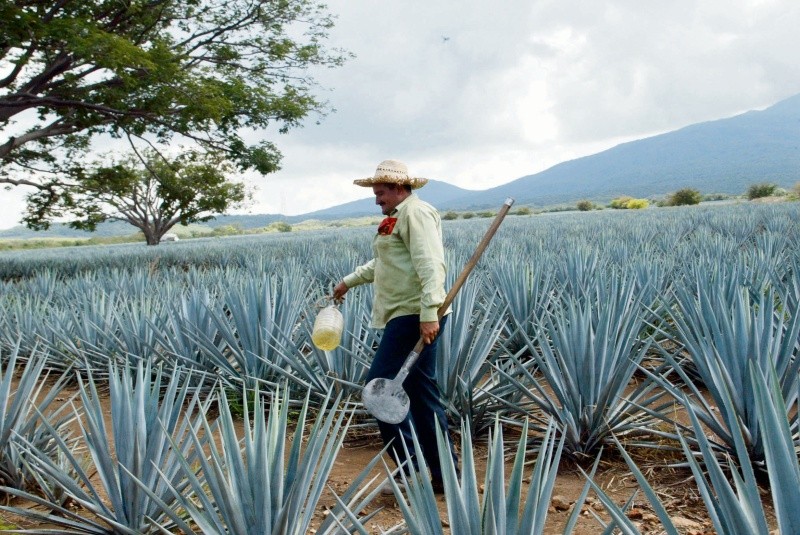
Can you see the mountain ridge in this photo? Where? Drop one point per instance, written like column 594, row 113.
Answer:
column 718, row 156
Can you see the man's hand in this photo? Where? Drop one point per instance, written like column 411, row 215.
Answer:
column 428, row 330
column 339, row 290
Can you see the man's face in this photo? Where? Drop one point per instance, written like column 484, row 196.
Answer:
column 388, row 196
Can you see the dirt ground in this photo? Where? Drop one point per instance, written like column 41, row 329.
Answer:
column 674, row 486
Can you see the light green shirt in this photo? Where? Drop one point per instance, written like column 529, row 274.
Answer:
column 408, row 270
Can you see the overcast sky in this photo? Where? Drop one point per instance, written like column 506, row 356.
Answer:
column 479, row 93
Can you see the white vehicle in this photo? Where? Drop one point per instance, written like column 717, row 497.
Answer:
column 170, row 236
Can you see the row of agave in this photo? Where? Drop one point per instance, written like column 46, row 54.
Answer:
column 699, row 306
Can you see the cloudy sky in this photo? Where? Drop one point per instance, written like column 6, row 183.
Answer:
column 479, row 93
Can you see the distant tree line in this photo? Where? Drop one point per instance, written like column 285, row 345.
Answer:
column 681, row 197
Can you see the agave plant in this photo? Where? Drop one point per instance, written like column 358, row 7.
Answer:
column 501, row 507
column 737, row 507
column 527, row 289
column 725, row 332
column 582, row 360
column 620, row 523
column 734, row 508
column 187, row 319
column 582, row 270
column 33, row 413
column 138, row 471
column 24, row 321
column 83, row 333
column 255, row 485
column 137, row 326
column 466, row 350
column 780, row 448
column 257, row 321
column 730, row 489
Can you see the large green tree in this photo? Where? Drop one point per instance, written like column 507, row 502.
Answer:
column 153, row 193
column 211, row 73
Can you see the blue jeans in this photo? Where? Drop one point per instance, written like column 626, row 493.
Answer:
column 426, row 408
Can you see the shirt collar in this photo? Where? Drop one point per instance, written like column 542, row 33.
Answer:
column 403, row 204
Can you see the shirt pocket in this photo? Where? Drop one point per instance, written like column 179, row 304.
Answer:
column 390, row 250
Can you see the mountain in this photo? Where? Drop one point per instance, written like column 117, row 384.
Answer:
column 58, row 230
column 722, row 156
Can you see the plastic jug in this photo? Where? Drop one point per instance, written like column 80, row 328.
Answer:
column 327, row 332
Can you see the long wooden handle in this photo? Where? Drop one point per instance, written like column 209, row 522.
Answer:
column 451, row 295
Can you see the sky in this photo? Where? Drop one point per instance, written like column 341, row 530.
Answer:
column 478, row 93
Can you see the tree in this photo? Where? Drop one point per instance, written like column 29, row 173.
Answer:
column 280, row 226
column 685, row 196
column 637, row 204
column 620, row 203
column 629, row 203
column 585, row 206
column 764, row 189
column 153, row 193
column 200, row 71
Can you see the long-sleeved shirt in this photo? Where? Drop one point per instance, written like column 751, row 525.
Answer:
column 408, row 270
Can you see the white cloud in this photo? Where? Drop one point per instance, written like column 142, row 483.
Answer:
column 517, row 88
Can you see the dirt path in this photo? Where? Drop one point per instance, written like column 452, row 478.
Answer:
column 675, row 491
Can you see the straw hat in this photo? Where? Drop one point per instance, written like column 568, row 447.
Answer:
column 391, row 172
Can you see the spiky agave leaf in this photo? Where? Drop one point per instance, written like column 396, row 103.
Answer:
column 583, row 359
column 22, row 411
column 185, row 318
column 780, row 449
column 620, row 521
column 724, row 331
column 150, row 418
column 254, row 485
column 502, row 508
column 255, row 322
column 526, row 288
column 23, row 323
column 466, row 351
column 733, row 508
column 345, row 367
column 734, row 503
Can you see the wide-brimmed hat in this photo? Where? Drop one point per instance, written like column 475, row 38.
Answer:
column 392, row 172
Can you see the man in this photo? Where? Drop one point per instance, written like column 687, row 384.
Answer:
column 408, row 275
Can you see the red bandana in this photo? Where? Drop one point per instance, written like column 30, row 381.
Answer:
column 387, row 226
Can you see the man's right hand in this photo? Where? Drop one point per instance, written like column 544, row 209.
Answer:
column 339, row 290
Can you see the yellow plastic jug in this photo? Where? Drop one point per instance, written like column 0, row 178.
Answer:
column 327, row 332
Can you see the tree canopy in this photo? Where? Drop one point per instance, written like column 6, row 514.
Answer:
column 205, row 72
column 762, row 189
column 685, row 196
column 153, row 193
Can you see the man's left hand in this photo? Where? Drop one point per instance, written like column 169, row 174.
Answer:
column 428, row 330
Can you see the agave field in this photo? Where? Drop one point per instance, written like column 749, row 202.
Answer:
column 575, row 339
